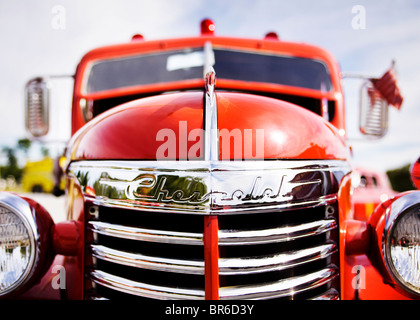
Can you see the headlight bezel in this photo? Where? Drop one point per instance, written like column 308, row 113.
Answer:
column 37, row 222
column 399, row 210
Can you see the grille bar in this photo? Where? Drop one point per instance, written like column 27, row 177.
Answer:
column 238, row 266
column 142, row 234
column 281, row 288
column 288, row 233
column 331, row 294
column 143, row 289
column 147, row 262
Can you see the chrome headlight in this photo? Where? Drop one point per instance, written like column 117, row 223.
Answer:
column 18, row 242
column 401, row 242
column 25, row 243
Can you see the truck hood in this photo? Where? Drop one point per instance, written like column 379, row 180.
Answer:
column 170, row 125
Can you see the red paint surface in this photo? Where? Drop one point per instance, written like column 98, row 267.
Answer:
column 130, row 131
column 415, row 173
column 66, row 238
column 290, row 131
column 211, row 257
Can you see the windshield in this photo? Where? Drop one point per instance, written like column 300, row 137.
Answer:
column 188, row 64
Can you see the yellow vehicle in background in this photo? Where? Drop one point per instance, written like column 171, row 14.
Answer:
column 38, row 176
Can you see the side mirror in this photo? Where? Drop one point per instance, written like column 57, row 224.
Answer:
column 37, row 107
column 376, row 95
column 415, row 173
column 373, row 111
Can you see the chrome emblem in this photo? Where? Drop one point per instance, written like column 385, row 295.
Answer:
column 149, row 188
column 223, row 187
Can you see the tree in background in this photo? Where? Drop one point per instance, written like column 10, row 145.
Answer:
column 45, row 151
column 11, row 168
column 24, row 145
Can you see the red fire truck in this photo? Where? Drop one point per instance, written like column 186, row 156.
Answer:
column 210, row 168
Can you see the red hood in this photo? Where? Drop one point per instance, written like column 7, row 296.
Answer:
column 130, row 131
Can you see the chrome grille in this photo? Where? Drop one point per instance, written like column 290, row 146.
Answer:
column 277, row 238
column 291, row 254
column 138, row 254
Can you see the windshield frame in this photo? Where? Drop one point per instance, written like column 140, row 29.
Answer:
column 194, row 82
column 80, row 98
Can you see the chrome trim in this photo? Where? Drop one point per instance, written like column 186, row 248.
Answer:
column 281, row 288
column 211, row 140
column 236, row 266
column 288, row 233
column 400, row 207
column 215, row 187
column 144, row 289
column 97, row 298
column 141, row 234
column 331, row 294
column 26, row 214
column 147, row 262
column 37, row 106
column 210, row 124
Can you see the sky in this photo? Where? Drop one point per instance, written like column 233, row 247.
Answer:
column 49, row 37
